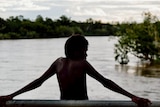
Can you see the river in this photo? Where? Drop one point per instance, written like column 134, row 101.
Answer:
column 22, row 61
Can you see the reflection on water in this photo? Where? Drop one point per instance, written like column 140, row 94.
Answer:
column 146, row 71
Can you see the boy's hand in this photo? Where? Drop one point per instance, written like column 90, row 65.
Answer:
column 141, row 102
column 3, row 100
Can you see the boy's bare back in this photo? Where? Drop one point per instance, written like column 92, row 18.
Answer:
column 72, row 78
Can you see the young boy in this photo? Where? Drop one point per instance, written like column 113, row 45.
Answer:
column 71, row 74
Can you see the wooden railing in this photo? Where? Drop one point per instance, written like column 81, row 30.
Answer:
column 73, row 103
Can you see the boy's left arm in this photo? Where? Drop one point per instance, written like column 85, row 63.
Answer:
column 141, row 102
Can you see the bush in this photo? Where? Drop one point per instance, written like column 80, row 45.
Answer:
column 4, row 36
column 64, row 31
column 14, row 35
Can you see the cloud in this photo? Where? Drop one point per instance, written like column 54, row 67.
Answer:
column 116, row 10
column 22, row 5
column 106, row 10
column 86, row 11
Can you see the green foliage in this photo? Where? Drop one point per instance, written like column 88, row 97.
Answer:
column 77, row 30
column 14, row 35
column 20, row 28
column 2, row 24
column 10, row 35
column 39, row 19
column 64, row 21
column 64, row 31
column 140, row 40
column 31, row 35
column 4, row 36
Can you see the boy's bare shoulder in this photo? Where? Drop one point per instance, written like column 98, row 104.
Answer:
column 60, row 59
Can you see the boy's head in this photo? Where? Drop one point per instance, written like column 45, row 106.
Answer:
column 76, row 47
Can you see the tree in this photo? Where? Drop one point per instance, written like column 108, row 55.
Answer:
column 2, row 24
column 64, row 20
column 141, row 40
column 64, row 31
column 39, row 19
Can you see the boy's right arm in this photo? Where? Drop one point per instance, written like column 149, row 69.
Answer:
column 36, row 83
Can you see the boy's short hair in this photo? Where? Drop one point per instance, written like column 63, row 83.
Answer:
column 75, row 43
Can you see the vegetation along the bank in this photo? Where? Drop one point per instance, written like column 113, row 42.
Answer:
column 142, row 40
column 20, row 28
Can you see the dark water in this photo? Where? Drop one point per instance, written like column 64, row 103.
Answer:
column 22, row 61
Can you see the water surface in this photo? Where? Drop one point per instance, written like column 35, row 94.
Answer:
column 22, row 61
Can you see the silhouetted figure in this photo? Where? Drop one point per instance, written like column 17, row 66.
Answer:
column 71, row 74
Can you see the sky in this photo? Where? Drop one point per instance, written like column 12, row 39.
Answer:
column 81, row 10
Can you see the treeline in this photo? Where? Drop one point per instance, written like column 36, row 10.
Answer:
column 21, row 28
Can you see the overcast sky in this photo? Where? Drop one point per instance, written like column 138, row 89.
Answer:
column 80, row 10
